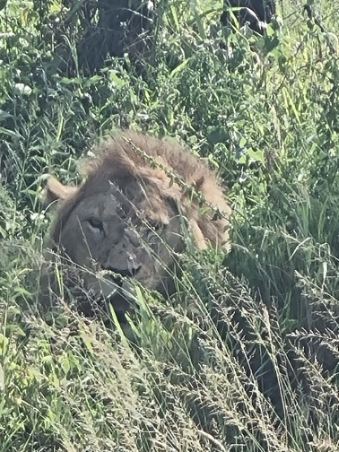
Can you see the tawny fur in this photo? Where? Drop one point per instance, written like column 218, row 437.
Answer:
column 120, row 159
column 123, row 157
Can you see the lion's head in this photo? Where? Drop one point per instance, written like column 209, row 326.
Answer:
column 128, row 218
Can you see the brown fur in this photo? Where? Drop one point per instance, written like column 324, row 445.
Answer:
column 118, row 160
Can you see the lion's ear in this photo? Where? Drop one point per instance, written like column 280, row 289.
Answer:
column 56, row 191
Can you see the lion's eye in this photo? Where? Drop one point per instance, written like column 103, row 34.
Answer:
column 122, row 213
column 96, row 224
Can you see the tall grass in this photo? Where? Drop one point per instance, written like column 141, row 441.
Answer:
column 245, row 355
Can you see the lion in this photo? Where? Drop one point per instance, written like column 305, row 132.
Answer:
column 129, row 218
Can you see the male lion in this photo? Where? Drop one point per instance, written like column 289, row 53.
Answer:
column 128, row 218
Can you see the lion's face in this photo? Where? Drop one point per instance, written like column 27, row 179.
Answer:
column 113, row 235
column 126, row 220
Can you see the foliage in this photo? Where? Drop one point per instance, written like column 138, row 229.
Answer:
column 245, row 356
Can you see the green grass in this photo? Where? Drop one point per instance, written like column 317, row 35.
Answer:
column 245, row 356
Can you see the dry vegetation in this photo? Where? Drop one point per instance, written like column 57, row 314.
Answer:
column 245, row 356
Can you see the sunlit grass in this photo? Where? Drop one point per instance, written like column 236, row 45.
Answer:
column 245, row 356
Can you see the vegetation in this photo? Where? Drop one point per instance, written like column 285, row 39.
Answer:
column 245, row 356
